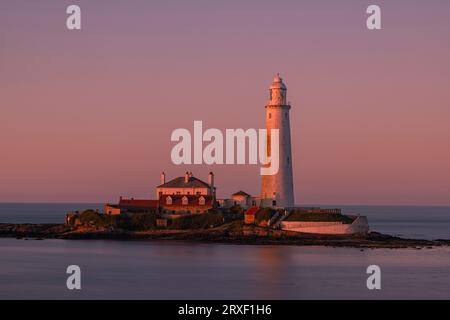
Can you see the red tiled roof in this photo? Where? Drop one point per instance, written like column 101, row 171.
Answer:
column 179, row 182
column 138, row 203
column 252, row 210
column 241, row 193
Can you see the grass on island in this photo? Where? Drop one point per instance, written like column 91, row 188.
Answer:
column 197, row 221
column 90, row 217
column 132, row 222
column 319, row 217
column 147, row 221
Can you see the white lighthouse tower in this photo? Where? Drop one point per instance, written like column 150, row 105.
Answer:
column 278, row 189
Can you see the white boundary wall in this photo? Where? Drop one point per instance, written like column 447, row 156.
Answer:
column 360, row 225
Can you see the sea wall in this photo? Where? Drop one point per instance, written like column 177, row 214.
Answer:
column 359, row 225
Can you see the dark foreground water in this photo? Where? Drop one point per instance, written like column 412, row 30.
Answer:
column 184, row 270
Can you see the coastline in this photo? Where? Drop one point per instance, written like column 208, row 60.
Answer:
column 233, row 233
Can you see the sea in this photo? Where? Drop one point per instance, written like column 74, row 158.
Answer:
column 149, row 269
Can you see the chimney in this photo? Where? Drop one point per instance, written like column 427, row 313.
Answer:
column 186, row 177
column 211, row 179
column 163, row 178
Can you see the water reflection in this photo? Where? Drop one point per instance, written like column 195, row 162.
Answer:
column 182, row 270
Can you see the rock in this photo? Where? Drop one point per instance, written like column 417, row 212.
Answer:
column 235, row 232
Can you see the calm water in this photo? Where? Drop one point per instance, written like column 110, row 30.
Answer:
column 41, row 212
column 183, row 270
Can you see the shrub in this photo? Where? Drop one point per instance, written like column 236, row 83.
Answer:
column 139, row 221
column 90, row 217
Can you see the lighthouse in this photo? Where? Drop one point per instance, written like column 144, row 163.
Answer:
column 278, row 189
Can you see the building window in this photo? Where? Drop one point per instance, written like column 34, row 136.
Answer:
column 169, row 200
column 185, row 201
column 270, row 116
column 288, row 160
column 201, row 201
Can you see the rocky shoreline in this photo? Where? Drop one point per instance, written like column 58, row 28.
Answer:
column 232, row 233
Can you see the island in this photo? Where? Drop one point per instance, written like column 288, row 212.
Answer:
column 232, row 226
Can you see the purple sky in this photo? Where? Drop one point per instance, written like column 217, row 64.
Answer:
column 87, row 115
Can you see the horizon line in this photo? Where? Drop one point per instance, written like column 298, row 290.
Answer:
column 297, row 205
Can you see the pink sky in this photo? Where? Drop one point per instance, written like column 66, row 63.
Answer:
column 87, row 115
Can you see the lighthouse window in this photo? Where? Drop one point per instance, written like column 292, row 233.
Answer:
column 270, row 116
column 288, row 160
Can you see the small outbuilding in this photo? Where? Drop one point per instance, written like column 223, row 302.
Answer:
column 249, row 216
